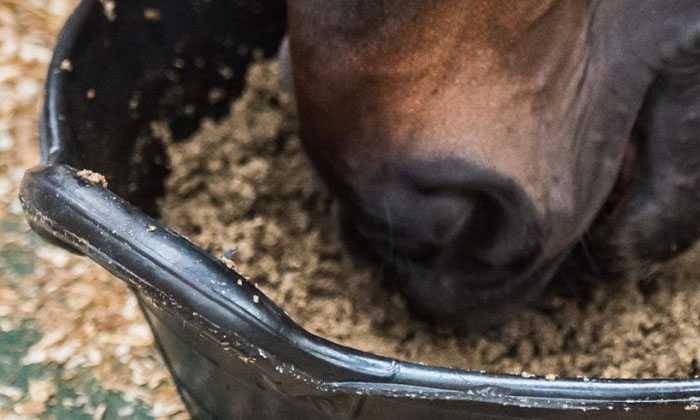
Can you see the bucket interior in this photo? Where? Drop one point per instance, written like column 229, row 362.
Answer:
column 164, row 58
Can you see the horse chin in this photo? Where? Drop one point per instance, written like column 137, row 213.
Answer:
column 450, row 299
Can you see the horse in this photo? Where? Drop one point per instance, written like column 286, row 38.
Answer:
column 479, row 147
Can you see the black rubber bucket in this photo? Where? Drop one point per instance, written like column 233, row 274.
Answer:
column 232, row 358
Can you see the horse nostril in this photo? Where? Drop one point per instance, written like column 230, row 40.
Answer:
column 459, row 214
column 448, row 215
column 426, row 219
column 502, row 230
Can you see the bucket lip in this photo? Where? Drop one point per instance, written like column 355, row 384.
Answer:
column 375, row 375
column 52, row 128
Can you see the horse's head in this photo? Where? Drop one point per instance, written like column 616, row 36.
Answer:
column 473, row 143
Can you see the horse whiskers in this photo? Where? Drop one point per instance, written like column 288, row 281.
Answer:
column 392, row 237
column 590, row 258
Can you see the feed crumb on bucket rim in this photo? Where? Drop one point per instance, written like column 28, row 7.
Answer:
column 66, row 65
column 93, row 177
column 228, row 263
